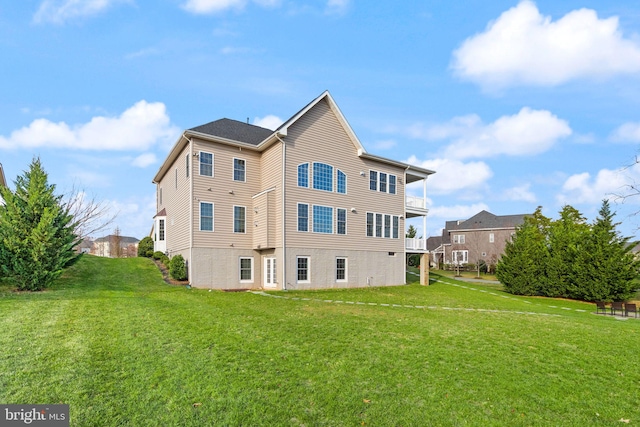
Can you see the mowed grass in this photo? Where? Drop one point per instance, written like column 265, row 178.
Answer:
column 121, row 347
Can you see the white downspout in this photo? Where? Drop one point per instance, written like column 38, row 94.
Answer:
column 191, row 171
column 284, row 213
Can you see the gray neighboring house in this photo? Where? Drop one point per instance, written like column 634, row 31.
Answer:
column 482, row 237
column 301, row 207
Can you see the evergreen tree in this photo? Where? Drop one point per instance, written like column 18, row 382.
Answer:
column 566, row 239
column 606, row 268
column 37, row 237
column 522, row 266
column 145, row 247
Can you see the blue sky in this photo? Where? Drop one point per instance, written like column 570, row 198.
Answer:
column 514, row 104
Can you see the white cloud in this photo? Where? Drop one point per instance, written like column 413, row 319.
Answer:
column 525, row 133
column 59, row 11
column 337, row 6
column 202, row 7
column 607, row 184
column 270, row 122
column 451, row 213
column 138, row 128
column 524, row 47
column 627, row 133
column 144, row 160
column 520, row 193
column 453, row 175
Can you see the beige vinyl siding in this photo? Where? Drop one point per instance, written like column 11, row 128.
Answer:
column 224, row 193
column 175, row 199
column 271, row 177
column 319, row 137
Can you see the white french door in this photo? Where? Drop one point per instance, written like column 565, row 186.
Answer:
column 269, row 272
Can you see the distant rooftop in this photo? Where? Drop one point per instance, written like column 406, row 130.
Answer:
column 234, row 130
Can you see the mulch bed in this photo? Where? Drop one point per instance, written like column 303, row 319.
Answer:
column 166, row 277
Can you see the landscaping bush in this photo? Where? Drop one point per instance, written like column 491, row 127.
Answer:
column 157, row 255
column 165, row 260
column 145, row 247
column 177, row 268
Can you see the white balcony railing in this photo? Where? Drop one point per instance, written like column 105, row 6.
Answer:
column 415, row 202
column 415, row 244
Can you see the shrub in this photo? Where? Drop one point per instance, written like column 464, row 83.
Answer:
column 165, row 260
column 177, row 268
column 145, row 247
column 158, row 255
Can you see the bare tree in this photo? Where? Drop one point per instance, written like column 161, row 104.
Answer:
column 90, row 215
column 115, row 244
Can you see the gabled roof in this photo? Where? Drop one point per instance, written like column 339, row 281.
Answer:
column 234, row 130
column 486, row 220
column 123, row 239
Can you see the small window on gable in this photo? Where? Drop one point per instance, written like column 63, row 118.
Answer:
column 303, row 175
column 206, row 164
column 239, row 168
column 342, row 182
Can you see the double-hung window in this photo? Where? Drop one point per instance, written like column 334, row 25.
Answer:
column 396, row 221
column 303, row 269
column 161, row 230
column 379, row 225
column 383, row 182
column 239, row 219
column 387, row 226
column 246, row 270
column 303, row 217
column 322, row 219
column 458, row 239
column 322, row 176
column 370, row 224
column 206, row 216
column 341, row 221
column 392, row 184
column 341, row 269
column 373, row 180
column 239, row 169
column 206, row 164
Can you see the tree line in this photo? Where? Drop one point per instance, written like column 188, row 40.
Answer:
column 570, row 258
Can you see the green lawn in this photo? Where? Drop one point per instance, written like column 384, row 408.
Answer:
column 121, row 347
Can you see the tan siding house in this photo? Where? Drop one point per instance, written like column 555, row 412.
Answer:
column 301, row 207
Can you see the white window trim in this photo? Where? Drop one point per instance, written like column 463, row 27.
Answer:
column 240, row 269
column 465, row 257
column 459, row 239
column 346, row 230
column 234, row 219
column 308, row 174
column 373, row 224
column 233, row 171
column 377, row 180
column 308, row 258
column 333, row 220
column 389, row 175
column 346, row 189
column 213, row 162
column 346, row 269
column 298, row 217
column 162, row 228
column 492, row 238
column 213, row 217
column 333, row 177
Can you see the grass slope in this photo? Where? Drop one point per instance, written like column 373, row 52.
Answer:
column 123, row 348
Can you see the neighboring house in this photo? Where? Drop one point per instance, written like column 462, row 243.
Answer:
column 301, row 207
column 480, row 238
column 112, row 246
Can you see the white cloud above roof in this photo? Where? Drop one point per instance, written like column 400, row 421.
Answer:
column 453, row 175
column 627, row 133
column 606, row 184
column 523, row 47
column 526, row 133
column 138, row 128
column 269, row 122
column 60, row 11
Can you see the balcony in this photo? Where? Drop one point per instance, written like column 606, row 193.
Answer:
column 415, row 244
column 415, row 206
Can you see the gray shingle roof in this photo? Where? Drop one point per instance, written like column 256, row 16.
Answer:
column 234, row 130
column 484, row 219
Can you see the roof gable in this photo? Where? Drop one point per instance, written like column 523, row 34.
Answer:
column 486, row 220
